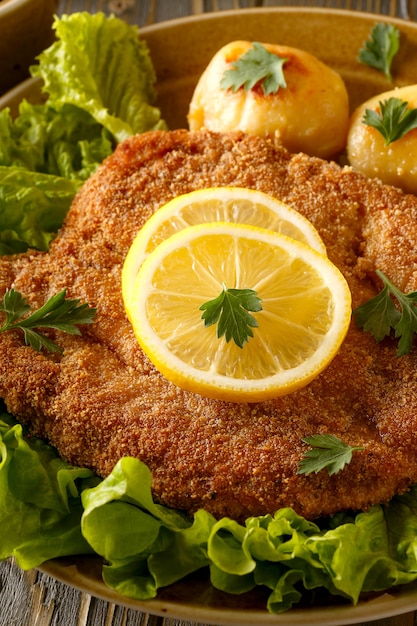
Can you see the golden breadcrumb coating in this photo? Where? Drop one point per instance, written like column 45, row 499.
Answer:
column 102, row 399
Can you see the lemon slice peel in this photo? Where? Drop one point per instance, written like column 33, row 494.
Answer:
column 170, row 330
column 216, row 204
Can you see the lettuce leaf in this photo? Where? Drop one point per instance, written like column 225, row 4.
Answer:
column 40, row 505
column 64, row 142
column 99, row 80
column 99, row 65
column 32, row 208
column 45, row 156
column 146, row 546
column 50, row 509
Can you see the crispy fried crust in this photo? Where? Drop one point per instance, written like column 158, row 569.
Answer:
column 103, row 400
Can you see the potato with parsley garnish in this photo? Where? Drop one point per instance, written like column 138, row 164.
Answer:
column 268, row 89
column 382, row 139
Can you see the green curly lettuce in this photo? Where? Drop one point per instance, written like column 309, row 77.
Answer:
column 50, row 509
column 40, row 504
column 99, row 85
column 33, row 206
column 100, row 65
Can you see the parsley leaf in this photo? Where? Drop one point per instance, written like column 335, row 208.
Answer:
column 380, row 315
column 380, row 49
column 57, row 313
column 230, row 311
column 257, row 65
column 328, row 452
column 394, row 121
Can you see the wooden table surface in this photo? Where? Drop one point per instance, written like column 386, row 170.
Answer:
column 33, row 598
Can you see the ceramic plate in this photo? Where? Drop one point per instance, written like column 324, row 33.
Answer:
column 180, row 50
column 193, row 599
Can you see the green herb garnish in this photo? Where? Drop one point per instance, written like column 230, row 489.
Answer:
column 230, row 310
column 328, row 452
column 257, row 65
column 380, row 49
column 380, row 316
column 394, row 121
column 57, row 313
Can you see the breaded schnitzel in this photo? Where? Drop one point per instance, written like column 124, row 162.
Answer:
column 102, row 399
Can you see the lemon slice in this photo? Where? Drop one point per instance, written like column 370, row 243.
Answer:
column 216, row 204
column 306, row 310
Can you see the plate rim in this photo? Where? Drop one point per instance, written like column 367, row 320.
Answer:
column 397, row 602
column 62, row 568
column 326, row 12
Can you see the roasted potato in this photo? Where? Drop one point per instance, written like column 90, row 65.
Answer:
column 310, row 114
column 395, row 163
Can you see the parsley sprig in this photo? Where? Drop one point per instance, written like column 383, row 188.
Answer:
column 380, row 316
column 257, row 65
column 230, row 311
column 380, row 49
column 327, row 452
column 394, row 121
column 57, row 312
